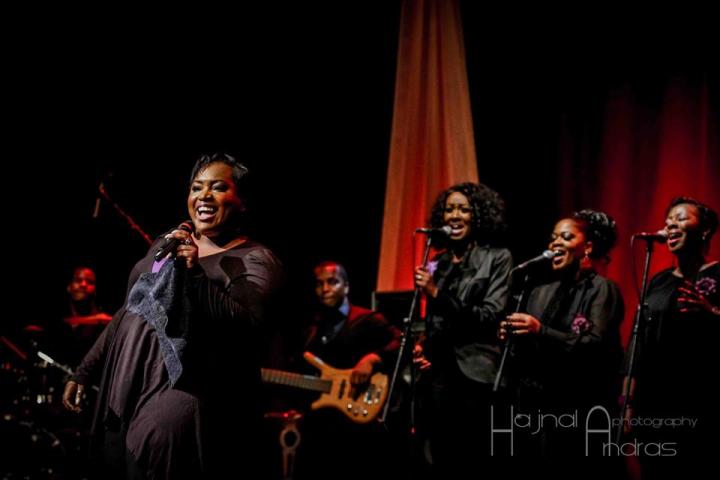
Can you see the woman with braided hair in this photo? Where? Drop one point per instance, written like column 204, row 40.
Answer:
column 568, row 353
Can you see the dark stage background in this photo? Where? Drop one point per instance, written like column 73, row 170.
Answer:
column 305, row 98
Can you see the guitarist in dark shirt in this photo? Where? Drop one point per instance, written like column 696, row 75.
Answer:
column 344, row 336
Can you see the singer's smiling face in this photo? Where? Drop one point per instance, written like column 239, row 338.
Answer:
column 213, row 202
column 458, row 215
column 683, row 228
column 568, row 238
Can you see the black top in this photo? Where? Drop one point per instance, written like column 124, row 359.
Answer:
column 575, row 360
column 463, row 319
column 678, row 351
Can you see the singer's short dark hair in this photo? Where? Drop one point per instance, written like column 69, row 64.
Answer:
column 600, row 229
column 239, row 171
column 488, row 212
column 342, row 273
column 708, row 216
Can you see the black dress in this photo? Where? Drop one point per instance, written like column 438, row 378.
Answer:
column 572, row 365
column 463, row 347
column 147, row 427
column 676, row 399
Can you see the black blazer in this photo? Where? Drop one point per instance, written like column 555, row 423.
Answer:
column 468, row 320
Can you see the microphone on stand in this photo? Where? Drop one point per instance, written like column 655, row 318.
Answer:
column 660, row 236
column 444, row 230
column 172, row 243
column 546, row 255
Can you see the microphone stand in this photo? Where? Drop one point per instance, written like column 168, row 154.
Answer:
column 546, row 255
column 508, row 341
column 632, row 349
column 51, row 361
column 131, row 223
column 407, row 323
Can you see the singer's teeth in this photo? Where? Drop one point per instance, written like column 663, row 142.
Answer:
column 206, row 209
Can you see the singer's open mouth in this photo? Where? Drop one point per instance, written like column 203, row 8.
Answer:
column 456, row 228
column 674, row 239
column 560, row 254
column 205, row 212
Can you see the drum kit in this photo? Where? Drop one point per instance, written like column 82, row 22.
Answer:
column 38, row 438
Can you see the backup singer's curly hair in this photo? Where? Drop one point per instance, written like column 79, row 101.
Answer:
column 600, row 229
column 488, row 212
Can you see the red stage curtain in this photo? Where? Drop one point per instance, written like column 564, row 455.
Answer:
column 658, row 139
column 432, row 144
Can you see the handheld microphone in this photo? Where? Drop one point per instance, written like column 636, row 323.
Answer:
column 546, row 255
column 171, row 243
column 444, row 230
column 660, row 236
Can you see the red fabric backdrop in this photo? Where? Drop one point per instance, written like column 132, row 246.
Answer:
column 432, row 144
column 652, row 147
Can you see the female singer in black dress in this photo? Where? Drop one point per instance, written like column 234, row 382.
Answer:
column 568, row 353
column 678, row 352
column 189, row 328
column 467, row 287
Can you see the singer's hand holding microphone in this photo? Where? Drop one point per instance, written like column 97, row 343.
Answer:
column 519, row 324
column 425, row 282
column 522, row 323
column 181, row 242
column 422, row 277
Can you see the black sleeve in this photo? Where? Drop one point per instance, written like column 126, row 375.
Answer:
column 480, row 314
column 245, row 299
column 90, row 368
column 649, row 326
column 604, row 314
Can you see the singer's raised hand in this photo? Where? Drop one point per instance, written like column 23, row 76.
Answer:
column 419, row 358
column 424, row 281
column 691, row 300
column 187, row 249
